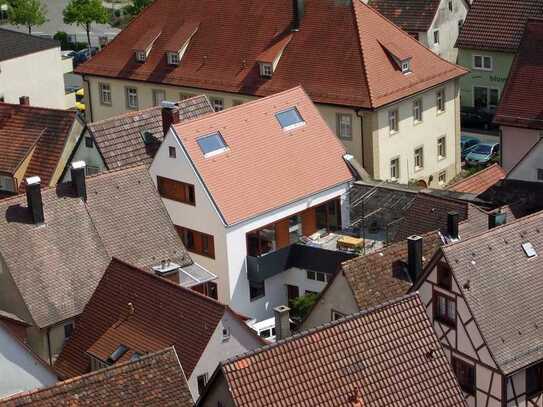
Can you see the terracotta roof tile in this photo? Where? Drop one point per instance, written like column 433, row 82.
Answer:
column 23, row 128
column 497, row 24
column 119, row 139
column 413, row 16
column 181, row 36
column 386, row 356
column 335, row 55
column 164, row 314
column 265, row 167
column 480, row 181
column 156, row 379
column 520, row 103
column 56, row 283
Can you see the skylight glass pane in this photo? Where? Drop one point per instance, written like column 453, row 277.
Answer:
column 289, row 118
column 117, row 353
column 212, row 143
column 529, row 249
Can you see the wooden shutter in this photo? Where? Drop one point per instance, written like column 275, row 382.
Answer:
column 309, row 221
column 281, row 234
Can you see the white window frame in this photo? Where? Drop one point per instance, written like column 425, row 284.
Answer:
column 406, row 67
column 217, row 103
column 488, row 90
column 344, row 130
column 173, row 58
column 395, row 163
column 132, row 97
column 482, row 67
column 417, row 108
column 421, row 155
column 442, row 141
column 442, row 177
column 157, row 92
column 440, row 100
column 435, row 38
column 141, row 56
column 393, row 121
column 105, row 93
column 226, row 334
column 266, row 70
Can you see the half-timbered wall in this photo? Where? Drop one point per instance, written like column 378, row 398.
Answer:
column 516, row 392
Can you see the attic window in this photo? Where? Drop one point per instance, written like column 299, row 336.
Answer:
column 406, row 66
column 290, row 119
column 141, row 56
column 173, row 58
column 266, row 70
column 529, row 250
column 212, row 144
column 117, row 354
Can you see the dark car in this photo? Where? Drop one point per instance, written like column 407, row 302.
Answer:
column 83, row 55
column 476, row 118
column 466, row 144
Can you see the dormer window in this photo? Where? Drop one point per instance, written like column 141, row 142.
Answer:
column 212, row 144
column 173, row 58
column 266, row 70
column 141, row 56
column 290, row 119
column 406, row 66
column 178, row 42
column 269, row 58
column 143, row 46
column 400, row 57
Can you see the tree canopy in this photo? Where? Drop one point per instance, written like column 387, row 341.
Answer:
column 29, row 13
column 84, row 13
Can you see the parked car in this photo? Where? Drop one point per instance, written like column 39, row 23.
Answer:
column 476, row 118
column 466, row 145
column 482, row 153
column 83, row 55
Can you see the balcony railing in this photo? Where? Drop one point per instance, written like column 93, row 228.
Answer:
column 295, row 255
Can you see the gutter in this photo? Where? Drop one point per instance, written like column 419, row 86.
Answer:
column 49, row 346
column 89, row 118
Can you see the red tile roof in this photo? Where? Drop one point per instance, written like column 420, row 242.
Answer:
column 154, row 380
column 335, row 55
column 497, row 24
column 412, row 16
column 15, row 325
column 480, row 181
column 181, row 36
column 25, row 127
column 265, row 167
column 386, row 356
column 522, row 97
column 164, row 314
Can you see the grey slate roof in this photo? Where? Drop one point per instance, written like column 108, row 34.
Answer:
column 56, row 266
column 15, row 44
column 119, row 138
column 504, row 287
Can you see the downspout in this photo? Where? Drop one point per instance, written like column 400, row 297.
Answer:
column 49, row 346
column 89, row 101
column 359, row 114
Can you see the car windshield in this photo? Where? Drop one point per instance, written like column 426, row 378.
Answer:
column 482, row 149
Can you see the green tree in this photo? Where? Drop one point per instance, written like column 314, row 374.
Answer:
column 29, row 13
column 136, row 6
column 85, row 12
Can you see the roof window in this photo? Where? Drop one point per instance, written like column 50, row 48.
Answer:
column 406, row 66
column 212, row 144
column 529, row 250
column 117, row 354
column 290, row 119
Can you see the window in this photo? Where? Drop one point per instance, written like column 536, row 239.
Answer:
column 442, row 178
column 141, row 56
column 534, row 379
column 171, row 152
column 197, row 242
column 465, row 373
column 419, row 158
column 256, row 290
column 117, row 354
column 344, row 126
column 88, row 142
column 529, row 250
column 336, row 315
column 395, row 169
column 217, row 103
column 202, row 381
column 393, row 121
column 261, row 241
column 316, row 276
column 494, row 98
column 450, row 6
column 212, row 144
column 225, row 334
column 290, row 118
column 266, row 70
column 485, row 98
column 440, row 100
column 460, row 24
column 406, row 67
column 105, row 93
column 441, row 148
column 131, row 98
column 173, row 58
column 444, row 309
column 436, row 37
column 444, row 277
column 135, row 356
column 482, row 62
column 159, row 96
column 540, row 174
column 68, row 330
column 176, row 190
column 294, row 228
column 417, row 110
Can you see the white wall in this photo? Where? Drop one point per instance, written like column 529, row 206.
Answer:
column 90, row 155
column 446, row 22
column 39, row 75
column 516, row 142
column 19, row 369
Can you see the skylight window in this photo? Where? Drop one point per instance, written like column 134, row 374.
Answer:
column 117, row 354
column 406, row 66
column 212, row 144
column 290, row 119
column 529, row 249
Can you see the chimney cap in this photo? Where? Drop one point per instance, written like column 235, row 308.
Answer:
column 76, row 165
column 166, row 104
column 35, row 180
column 282, row 308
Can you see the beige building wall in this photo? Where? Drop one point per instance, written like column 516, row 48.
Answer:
column 371, row 144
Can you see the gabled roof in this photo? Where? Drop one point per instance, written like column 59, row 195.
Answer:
column 335, row 55
column 480, row 181
column 388, row 355
column 24, row 128
column 14, row 44
column 522, row 97
column 119, row 139
column 500, row 284
column 265, row 167
column 181, row 36
column 156, row 379
column 382, row 276
column 161, row 314
column 413, row 16
column 497, row 25
column 56, row 283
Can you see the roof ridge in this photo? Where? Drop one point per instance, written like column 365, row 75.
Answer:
column 360, row 42
column 32, row 107
column 124, row 115
column 326, row 325
column 474, row 174
column 428, row 193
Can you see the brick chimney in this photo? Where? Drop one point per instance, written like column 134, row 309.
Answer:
column 282, row 322
column 414, row 256
column 34, row 200
column 77, row 172
column 170, row 115
column 24, row 100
